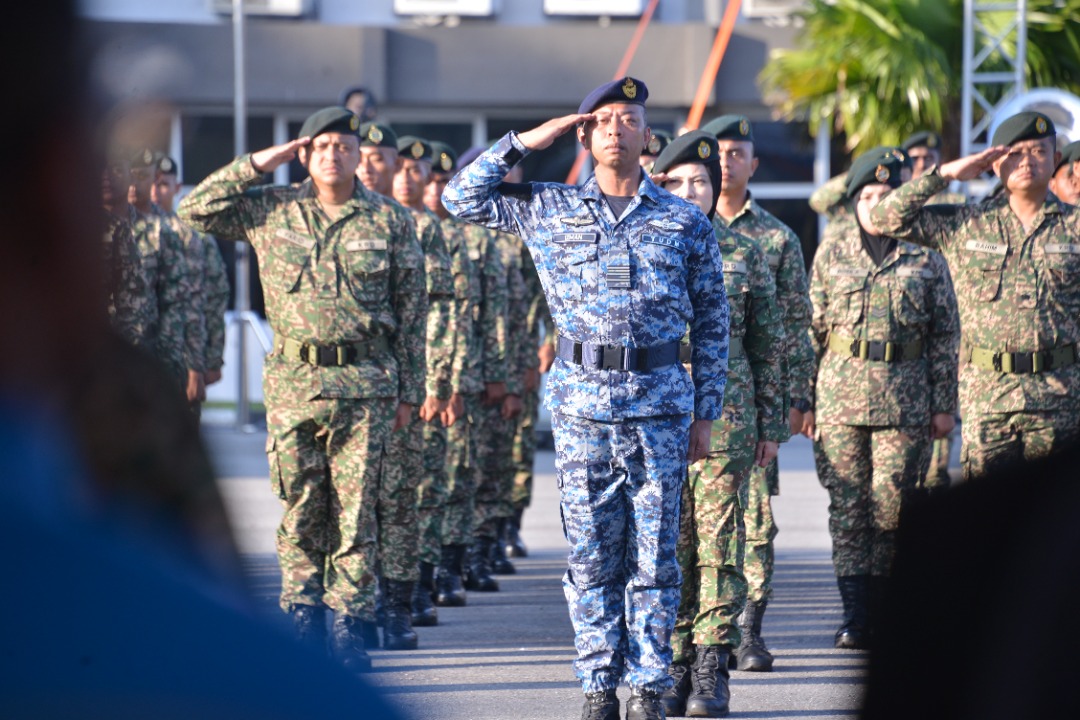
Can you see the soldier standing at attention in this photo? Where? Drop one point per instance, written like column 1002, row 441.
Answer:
column 344, row 282
column 383, row 170
column 215, row 298
column 129, row 300
column 625, row 267
column 712, row 535
column 736, row 209
column 884, row 332
column 1016, row 265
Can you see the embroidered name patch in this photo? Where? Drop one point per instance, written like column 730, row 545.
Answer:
column 1062, row 249
column 295, row 238
column 354, row 245
column 987, row 247
column 919, row 272
column 582, row 237
column 735, row 266
column 844, row 271
column 661, row 240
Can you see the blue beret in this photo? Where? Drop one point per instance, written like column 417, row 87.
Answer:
column 373, row 134
column 626, row 91
column 926, row 138
column 444, row 155
column 730, row 127
column 413, row 148
column 1028, row 125
column 330, row 119
column 880, row 165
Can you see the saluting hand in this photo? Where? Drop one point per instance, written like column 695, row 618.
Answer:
column 972, row 166
column 272, row 158
column 541, row 137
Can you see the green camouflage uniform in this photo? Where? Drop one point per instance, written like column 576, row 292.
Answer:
column 712, row 535
column 487, row 363
column 784, row 254
column 432, row 492
column 163, row 267
column 216, row 303
column 495, row 434
column 523, row 452
column 1018, row 293
column 403, row 462
column 355, row 281
column 873, row 417
column 128, row 295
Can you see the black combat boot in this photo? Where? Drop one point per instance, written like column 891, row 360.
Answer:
column 479, row 577
column 854, row 594
column 752, row 654
column 674, row 698
column 424, row 613
column 709, row 693
column 347, row 643
column 449, row 590
column 309, row 622
column 600, row 705
column 398, row 633
column 644, row 705
column 500, row 563
column 515, row 546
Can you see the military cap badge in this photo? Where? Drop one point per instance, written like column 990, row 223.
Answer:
column 744, row 127
column 445, row 162
column 654, row 145
column 931, row 141
column 374, row 134
column 148, row 156
column 1040, row 125
column 166, row 165
column 703, row 150
column 881, row 174
column 629, row 89
column 354, row 123
column 417, row 150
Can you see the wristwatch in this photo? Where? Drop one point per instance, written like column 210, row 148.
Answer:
column 802, row 405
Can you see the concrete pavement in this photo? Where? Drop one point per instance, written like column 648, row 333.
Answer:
column 508, row 654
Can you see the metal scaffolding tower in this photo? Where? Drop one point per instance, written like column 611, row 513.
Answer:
column 985, row 48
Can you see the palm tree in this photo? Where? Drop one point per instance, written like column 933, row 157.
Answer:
column 878, row 70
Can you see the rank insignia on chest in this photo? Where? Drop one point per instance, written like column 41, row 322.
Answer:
column 618, row 277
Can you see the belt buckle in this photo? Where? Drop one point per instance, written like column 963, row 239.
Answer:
column 1023, row 363
column 875, row 350
column 613, row 358
column 326, row 356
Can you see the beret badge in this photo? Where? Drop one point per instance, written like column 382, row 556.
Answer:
column 375, row 135
column 744, row 127
column 1040, row 125
column 354, row 123
column 445, row 162
column 703, row 150
column 654, row 145
column 881, row 174
column 416, row 150
column 629, row 89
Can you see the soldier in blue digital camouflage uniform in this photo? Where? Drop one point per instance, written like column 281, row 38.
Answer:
column 625, row 267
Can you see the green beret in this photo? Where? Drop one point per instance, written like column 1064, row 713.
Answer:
column 1069, row 154
column 626, row 91
column 142, row 158
column 373, row 134
column 1028, row 125
column 330, row 119
column 926, row 138
column 414, row 148
column 660, row 139
column 444, row 155
column 697, row 147
column 872, row 168
column 730, row 127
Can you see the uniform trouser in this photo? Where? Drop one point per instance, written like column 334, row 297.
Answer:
column 993, row 442
column 868, row 472
column 495, row 484
column 325, row 457
column 460, row 506
column 432, row 494
column 524, row 452
column 712, row 542
column 620, row 493
column 761, row 531
column 402, row 469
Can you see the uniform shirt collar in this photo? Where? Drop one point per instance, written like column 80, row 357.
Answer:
column 647, row 189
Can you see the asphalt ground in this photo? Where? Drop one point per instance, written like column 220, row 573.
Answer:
column 507, row 655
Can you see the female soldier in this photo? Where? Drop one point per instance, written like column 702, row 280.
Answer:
column 712, row 537
column 884, row 330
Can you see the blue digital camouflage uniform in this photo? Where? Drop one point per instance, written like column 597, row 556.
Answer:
column 620, row 436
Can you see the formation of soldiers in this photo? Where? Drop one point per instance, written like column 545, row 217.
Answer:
column 403, row 391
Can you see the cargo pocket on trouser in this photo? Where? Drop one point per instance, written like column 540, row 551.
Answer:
column 277, row 484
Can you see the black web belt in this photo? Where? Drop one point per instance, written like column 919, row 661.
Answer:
column 599, row 356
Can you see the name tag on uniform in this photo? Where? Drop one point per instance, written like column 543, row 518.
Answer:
column 846, row 271
column 911, row 271
column 618, row 277
column 987, row 247
column 582, row 237
column 1062, row 248
column 354, row 245
column 295, row 238
column 735, row 266
column 661, row 240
